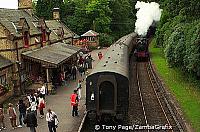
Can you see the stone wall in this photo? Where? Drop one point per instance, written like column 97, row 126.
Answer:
column 9, row 80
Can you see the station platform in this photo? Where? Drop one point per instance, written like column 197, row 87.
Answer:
column 60, row 104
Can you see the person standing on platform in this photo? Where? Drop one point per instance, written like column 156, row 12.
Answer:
column 2, row 123
column 86, row 63
column 61, row 79
column 90, row 59
column 12, row 115
column 43, row 91
column 81, row 70
column 31, row 97
column 31, row 120
column 33, row 106
column 100, row 55
column 81, row 60
column 74, row 103
column 74, row 69
column 22, row 111
column 50, row 118
column 79, row 87
column 41, row 106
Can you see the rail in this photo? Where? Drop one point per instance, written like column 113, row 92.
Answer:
column 149, row 86
column 82, row 122
column 141, row 99
column 159, row 84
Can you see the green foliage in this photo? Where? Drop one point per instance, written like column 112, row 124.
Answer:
column 183, row 86
column 99, row 13
column 122, row 18
column 44, row 8
column 191, row 59
column 175, row 48
column 105, row 40
column 178, row 34
column 92, row 48
column 103, row 16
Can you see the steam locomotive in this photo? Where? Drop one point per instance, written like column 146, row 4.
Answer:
column 141, row 52
column 142, row 49
column 107, row 87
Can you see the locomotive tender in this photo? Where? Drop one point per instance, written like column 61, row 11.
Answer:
column 107, row 87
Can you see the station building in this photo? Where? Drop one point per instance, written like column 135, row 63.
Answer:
column 32, row 49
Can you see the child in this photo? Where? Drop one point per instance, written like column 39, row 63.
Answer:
column 79, row 86
column 12, row 115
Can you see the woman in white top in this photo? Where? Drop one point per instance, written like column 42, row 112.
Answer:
column 43, row 91
column 79, row 87
column 50, row 118
column 33, row 106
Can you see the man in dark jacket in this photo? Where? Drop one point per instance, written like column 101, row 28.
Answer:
column 22, row 111
column 74, row 69
column 31, row 120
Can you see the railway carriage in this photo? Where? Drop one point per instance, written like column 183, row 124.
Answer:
column 107, row 87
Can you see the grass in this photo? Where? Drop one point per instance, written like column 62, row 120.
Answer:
column 183, row 86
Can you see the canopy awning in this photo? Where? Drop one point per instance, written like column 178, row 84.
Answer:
column 52, row 55
column 4, row 62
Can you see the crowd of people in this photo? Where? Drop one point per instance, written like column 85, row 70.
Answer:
column 27, row 108
column 84, row 62
column 33, row 103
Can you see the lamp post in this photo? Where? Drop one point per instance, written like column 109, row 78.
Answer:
column 20, row 79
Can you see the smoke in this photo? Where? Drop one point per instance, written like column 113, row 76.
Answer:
column 147, row 13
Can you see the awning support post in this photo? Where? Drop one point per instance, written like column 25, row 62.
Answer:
column 47, row 73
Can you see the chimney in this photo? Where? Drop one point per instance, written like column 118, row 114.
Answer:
column 24, row 4
column 56, row 14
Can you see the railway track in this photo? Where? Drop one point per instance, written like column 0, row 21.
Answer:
column 150, row 107
column 153, row 111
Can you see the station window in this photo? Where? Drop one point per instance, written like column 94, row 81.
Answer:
column 43, row 35
column 3, row 79
column 26, row 41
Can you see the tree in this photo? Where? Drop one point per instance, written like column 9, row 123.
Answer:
column 42, row 9
column 99, row 12
column 122, row 18
column 105, row 40
column 79, row 21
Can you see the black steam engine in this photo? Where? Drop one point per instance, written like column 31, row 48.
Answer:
column 141, row 52
column 107, row 87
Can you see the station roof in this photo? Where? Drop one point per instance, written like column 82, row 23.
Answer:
column 55, row 26
column 52, row 55
column 90, row 33
column 10, row 18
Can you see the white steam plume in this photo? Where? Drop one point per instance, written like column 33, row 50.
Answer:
column 146, row 14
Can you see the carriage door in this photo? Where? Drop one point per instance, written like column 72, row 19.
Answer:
column 106, row 96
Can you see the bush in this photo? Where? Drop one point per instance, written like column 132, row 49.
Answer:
column 105, row 40
column 92, row 48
